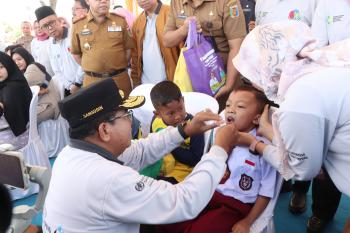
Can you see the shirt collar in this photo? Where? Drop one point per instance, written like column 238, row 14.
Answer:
column 90, row 147
column 64, row 35
column 90, row 17
column 186, row 1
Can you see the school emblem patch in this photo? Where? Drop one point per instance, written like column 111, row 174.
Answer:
column 245, row 183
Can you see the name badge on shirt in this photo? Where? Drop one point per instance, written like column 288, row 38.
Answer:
column 114, row 28
column 249, row 164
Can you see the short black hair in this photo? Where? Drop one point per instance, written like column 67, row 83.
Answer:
column 164, row 93
column 83, row 4
column 86, row 130
column 260, row 96
column 12, row 47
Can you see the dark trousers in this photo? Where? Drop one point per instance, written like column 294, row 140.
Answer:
column 325, row 197
column 301, row 186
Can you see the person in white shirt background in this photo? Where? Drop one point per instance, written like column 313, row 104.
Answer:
column 271, row 11
column 311, row 127
column 40, row 47
column 95, row 184
column 61, row 60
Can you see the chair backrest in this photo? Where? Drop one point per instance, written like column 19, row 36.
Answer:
column 59, row 85
column 33, row 128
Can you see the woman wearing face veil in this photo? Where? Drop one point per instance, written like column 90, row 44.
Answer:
column 15, row 97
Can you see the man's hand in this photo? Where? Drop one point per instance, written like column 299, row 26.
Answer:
column 198, row 124
column 184, row 28
column 73, row 88
column 251, row 25
column 226, row 137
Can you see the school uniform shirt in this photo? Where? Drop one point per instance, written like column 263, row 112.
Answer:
column 271, row 11
column 250, row 175
column 89, row 193
column 312, row 127
column 331, row 22
column 62, row 61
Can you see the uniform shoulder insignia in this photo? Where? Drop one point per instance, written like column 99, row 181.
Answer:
column 75, row 20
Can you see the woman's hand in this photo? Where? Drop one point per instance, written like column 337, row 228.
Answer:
column 223, row 90
column 245, row 139
column 43, row 91
column 265, row 127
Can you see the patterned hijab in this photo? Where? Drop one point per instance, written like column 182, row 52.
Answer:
column 274, row 55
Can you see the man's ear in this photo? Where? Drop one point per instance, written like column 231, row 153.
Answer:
column 103, row 132
column 256, row 119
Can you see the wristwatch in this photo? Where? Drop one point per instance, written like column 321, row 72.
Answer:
column 252, row 147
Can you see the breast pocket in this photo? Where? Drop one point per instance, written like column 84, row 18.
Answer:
column 214, row 27
column 115, row 39
column 86, row 42
column 249, row 180
column 179, row 22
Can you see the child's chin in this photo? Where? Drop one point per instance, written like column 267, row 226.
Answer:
column 229, row 122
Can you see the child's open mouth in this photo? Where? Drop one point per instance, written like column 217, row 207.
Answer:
column 230, row 119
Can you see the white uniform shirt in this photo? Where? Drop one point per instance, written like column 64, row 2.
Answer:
column 331, row 22
column 63, row 63
column 250, row 175
column 153, row 68
column 271, row 11
column 40, row 52
column 89, row 193
column 313, row 123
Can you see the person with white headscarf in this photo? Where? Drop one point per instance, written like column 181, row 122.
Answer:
column 312, row 126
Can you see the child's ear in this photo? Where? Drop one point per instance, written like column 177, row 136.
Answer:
column 156, row 113
column 256, row 119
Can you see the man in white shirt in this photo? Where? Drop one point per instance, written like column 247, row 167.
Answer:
column 331, row 22
column 270, row 11
column 61, row 60
column 95, row 184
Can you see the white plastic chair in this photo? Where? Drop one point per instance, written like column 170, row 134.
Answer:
column 59, row 85
column 34, row 152
column 54, row 135
column 194, row 103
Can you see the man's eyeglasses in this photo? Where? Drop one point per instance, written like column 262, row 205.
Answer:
column 49, row 25
column 128, row 115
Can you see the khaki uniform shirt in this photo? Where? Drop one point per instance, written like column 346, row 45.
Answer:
column 25, row 41
column 222, row 19
column 102, row 46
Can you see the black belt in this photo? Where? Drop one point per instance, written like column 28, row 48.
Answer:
column 105, row 75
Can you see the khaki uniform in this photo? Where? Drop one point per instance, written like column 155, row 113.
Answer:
column 103, row 48
column 221, row 19
column 25, row 41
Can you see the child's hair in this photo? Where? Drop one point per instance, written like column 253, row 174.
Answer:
column 259, row 95
column 164, row 93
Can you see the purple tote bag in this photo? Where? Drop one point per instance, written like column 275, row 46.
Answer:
column 205, row 67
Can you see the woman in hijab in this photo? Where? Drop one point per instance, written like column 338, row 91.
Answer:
column 15, row 97
column 311, row 128
column 36, row 74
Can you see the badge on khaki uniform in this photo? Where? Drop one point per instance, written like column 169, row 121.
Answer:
column 86, row 31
